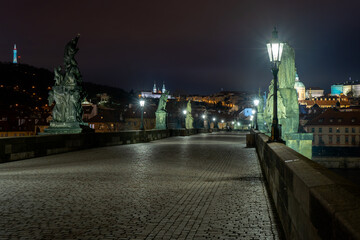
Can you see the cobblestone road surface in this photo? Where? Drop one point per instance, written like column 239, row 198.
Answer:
column 206, row 186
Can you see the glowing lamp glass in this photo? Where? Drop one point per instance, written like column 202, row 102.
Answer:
column 142, row 103
column 275, row 51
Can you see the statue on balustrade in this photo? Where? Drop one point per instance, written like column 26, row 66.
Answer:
column 67, row 95
column 189, row 118
column 161, row 113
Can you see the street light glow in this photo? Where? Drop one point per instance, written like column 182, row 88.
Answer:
column 222, row 121
column 142, row 103
column 256, row 102
column 275, row 48
column 253, row 111
column 214, row 119
column 184, row 112
column 203, row 116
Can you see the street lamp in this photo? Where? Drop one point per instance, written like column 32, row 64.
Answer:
column 184, row 112
column 256, row 103
column 142, row 104
column 275, row 49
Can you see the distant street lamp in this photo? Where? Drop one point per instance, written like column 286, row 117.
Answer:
column 275, row 49
column 142, row 104
column 256, row 103
column 214, row 120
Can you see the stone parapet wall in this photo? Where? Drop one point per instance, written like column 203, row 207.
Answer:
column 17, row 148
column 312, row 202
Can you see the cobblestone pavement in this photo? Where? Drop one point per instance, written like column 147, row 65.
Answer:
column 206, row 186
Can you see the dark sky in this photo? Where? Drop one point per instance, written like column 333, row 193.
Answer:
column 198, row 46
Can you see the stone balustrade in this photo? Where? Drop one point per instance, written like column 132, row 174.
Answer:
column 17, row 148
column 312, row 202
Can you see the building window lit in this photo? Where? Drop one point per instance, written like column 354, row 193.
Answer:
column 331, row 120
column 330, row 130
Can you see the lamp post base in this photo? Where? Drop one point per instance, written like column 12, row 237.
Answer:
column 275, row 134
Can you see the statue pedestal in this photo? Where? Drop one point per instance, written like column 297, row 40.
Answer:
column 300, row 142
column 66, row 128
column 161, row 117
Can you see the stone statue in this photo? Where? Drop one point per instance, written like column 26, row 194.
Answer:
column 162, row 101
column 189, row 118
column 67, row 94
column 161, row 114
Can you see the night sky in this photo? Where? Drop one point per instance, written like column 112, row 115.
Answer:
column 197, row 46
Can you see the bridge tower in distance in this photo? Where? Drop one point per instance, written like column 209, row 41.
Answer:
column 15, row 60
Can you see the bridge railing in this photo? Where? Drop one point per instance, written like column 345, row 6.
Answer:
column 312, row 202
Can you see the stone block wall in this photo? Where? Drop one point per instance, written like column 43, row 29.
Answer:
column 311, row 201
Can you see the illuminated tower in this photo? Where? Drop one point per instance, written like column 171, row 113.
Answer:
column 15, row 54
column 154, row 88
column 163, row 88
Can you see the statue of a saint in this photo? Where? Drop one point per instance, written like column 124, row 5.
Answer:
column 162, row 101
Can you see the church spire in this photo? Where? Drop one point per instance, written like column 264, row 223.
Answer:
column 154, row 88
column 163, row 88
column 15, row 54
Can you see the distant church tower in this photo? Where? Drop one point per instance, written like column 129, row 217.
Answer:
column 154, row 88
column 163, row 88
column 15, row 55
column 300, row 88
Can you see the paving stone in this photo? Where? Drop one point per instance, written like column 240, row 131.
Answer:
column 206, row 186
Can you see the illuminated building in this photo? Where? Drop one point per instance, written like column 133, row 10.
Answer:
column 347, row 87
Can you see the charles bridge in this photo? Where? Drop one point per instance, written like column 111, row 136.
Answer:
column 171, row 184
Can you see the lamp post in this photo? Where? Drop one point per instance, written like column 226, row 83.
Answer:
column 256, row 103
column 142, row 104
column 275, row 49
column 204, row 121
column 184, row 112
